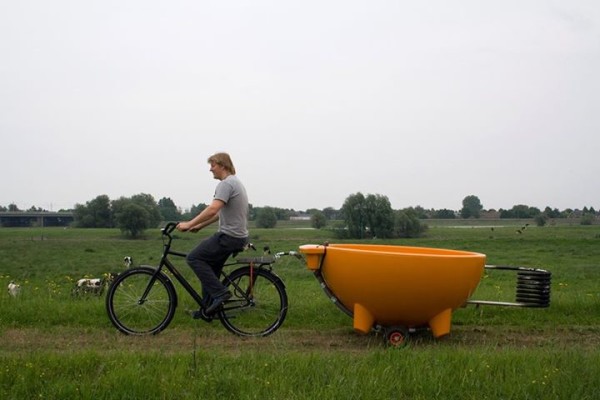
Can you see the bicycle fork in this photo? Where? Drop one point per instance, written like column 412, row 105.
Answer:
column 153, row 279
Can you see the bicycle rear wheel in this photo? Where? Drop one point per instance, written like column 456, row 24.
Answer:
column 138, row 304
column 259, row 303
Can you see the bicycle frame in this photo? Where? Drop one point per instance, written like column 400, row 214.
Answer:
column 166, row 263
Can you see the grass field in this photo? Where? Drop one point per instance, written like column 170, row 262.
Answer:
column 57, row 346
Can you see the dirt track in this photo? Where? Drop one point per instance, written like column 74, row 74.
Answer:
column 285, row 340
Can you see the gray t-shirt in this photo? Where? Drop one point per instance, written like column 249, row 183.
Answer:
column 233, row 218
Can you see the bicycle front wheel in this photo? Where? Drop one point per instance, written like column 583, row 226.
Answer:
column 140, row 303
column 259, row 303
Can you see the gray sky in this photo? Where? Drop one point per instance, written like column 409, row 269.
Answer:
column 424, row 102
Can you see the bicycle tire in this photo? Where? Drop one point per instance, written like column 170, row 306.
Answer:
column 132, row 316
column 258, row 305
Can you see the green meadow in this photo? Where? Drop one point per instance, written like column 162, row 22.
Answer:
column 54, row 345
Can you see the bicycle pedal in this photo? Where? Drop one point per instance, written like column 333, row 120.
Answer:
column 200, row 314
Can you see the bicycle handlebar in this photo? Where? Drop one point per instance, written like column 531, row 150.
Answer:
column 170, row 227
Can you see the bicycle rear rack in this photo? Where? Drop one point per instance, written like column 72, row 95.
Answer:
column 532, row 288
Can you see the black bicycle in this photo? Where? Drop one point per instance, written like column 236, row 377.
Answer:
column 142, row 300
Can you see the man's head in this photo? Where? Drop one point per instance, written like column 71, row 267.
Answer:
column 219, row 163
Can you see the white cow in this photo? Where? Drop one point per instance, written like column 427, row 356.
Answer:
column 93, row 285
column 14, row 289
column 128, row 261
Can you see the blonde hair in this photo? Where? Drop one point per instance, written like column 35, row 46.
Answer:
column 223, row 160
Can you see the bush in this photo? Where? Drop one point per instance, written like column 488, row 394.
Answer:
column 266, row 218
column 408, row 225
column 133, row 218
column 540, row 219
column 587, row 219
column 318, row 220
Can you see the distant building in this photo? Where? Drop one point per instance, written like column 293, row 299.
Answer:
column 35, row 218
column 300, row 217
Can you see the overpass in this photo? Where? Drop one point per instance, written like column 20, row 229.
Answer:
column 35, row 218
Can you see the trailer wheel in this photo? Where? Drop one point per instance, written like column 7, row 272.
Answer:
column 396, row 336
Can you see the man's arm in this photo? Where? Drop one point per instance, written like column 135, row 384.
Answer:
column 208, row 216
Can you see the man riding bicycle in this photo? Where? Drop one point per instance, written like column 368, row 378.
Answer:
column 230, row 207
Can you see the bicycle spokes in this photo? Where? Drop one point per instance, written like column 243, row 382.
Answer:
column 141, row 302
column 258, row 305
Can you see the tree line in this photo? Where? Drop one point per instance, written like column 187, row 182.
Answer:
column 361, row 216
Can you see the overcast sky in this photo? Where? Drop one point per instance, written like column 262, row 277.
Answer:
column 425, row 102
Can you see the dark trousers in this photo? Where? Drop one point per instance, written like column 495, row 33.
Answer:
column 207, row 260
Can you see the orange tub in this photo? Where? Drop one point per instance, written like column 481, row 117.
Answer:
column 394, row 286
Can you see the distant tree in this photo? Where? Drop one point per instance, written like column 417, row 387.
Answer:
column 551, row 213
column 3, row 209
column 81, row 217
column 541, row 219
column 444, row 213
column 330, row 213
column 266, row 218
column 354, row 215
column 281, row 214
column 13, row 207
column 370, row 216
column 95, row 213
column 407, row 224
column 380, row 216
column 566, row 213
column 133, row 218
column 149, row 204
column 318, row 220
column 520, row 211
column 168, row 210
column 471, row 207
column 118, row 205
column 421, row 212
column 129, row 219
column 589, row 211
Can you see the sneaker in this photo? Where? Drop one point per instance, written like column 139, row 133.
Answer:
column 217, row 302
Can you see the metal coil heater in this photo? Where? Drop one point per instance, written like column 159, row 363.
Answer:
column 532, row 289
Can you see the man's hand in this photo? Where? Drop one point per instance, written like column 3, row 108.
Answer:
column 184, row 226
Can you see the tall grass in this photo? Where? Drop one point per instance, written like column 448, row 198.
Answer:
column 54, row 345
column 431, row 373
